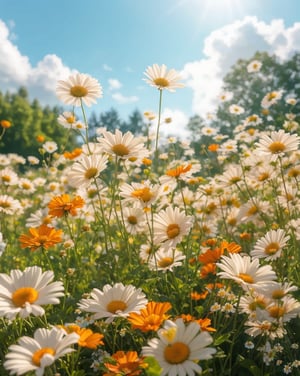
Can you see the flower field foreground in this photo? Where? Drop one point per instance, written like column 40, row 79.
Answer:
column 130, row 257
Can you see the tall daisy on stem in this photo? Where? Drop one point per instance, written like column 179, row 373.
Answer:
column 162, row 79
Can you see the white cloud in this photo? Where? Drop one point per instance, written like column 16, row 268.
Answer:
column 16, row 70
column 177, row 127
column 107, row 67
column 122, row 99
column 114, row 84
column 224, row 46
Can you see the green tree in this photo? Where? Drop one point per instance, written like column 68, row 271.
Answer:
column 135, row 123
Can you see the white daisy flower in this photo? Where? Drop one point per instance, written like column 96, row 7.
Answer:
column 79, row 88
column 67, row 119
column 8, row 176
column 278, row 143
column 123, row 146
column 270, row 246
column 86, row 169
column 170, row 226
column 236, row 109
column 246, row 272
column 39, row 352
column 114, row 301
column 165, row 259
column 9, row 205
column 179, row 348
column 270, row 98
column 161, row 78
column 145, row 194
column 254, row 66
column 50, row 146
column 133, row 219
column 23, row 293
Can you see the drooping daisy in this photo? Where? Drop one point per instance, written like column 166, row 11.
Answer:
column 284, row 310
column 62, row 205
column 123, row 146
column 179, row 348
column 246, row 272
column 170, row 226
column 161, row 78
column 23, row 293
column 165, row 259
column 271, row 245
column 151, row 317
column 39, row 352
column 84, row 171
column 41, row 237
column 114, row 301
column 278, row 143
column 79, row 88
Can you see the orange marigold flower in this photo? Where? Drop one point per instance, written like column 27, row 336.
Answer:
column 209, row 242
column 147, row 161
column 205, row 325
column 5, row 124
column 208, row 269
column 179, row 170
column 197, row 296
column 72, row 154
column 63, row 205
column 125, row 363
column 42, row 236
column 211, row 256
column 40, row 138
column 245, row 236
column 151, row 317
column 214, row 286
column 230, row 247
column 213, row 147
column 87, row 337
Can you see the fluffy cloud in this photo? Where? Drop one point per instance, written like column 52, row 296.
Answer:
column 177, row 125
column 114, row 84
column 224, row 46
column 122, row 99
column 16, row 70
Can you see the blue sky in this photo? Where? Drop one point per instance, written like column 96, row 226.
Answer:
column 115, row 40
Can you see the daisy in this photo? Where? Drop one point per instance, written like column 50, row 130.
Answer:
column 270, row 98
column 114, row 301
column 179, row 348
column 123, row 146
column 133, row 219
column 26, row 186
column 271, row 245
column 63, row 205
column 246, row 272
column 79, row 88
column 67, row 119
column 39, row 352
column 86, row 170
column 38, row 218
column 42, row 236
column 23, row 293
column 170, row 226
column 8, row 177
column 144, row 194
column 253, row 120
column 50, row 146
column 151, row 317
column 254, row 66
column 284, row 310
column 226, row 96
column 9, row 205
column 236, row 109
column 232, row 175
column 278, row 143
column 165, row 259
column 161, row 78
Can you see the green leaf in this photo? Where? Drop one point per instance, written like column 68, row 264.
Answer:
column 154, row 368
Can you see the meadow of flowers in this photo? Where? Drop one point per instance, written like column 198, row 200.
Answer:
column 134, row 256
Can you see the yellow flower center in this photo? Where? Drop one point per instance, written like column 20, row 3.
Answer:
column 120, row 150
column 276, row 147
column 5, row 204
column 38, row 355
column 143, row 194
column 278, row 294
column 276, row 312
column 272, row 95
column 161, row 82
column 78, row 91
column 116, row 305
column 258, row 303
column 24, row 295
column 91, row 173
column 176, row 353
column 173, row 230
column 6, row 178
column 70, row 119
column 272, row 248
column 246, row 277
column 253, row 210
column 165, row 262
column 132, row 219
column 263, row 176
